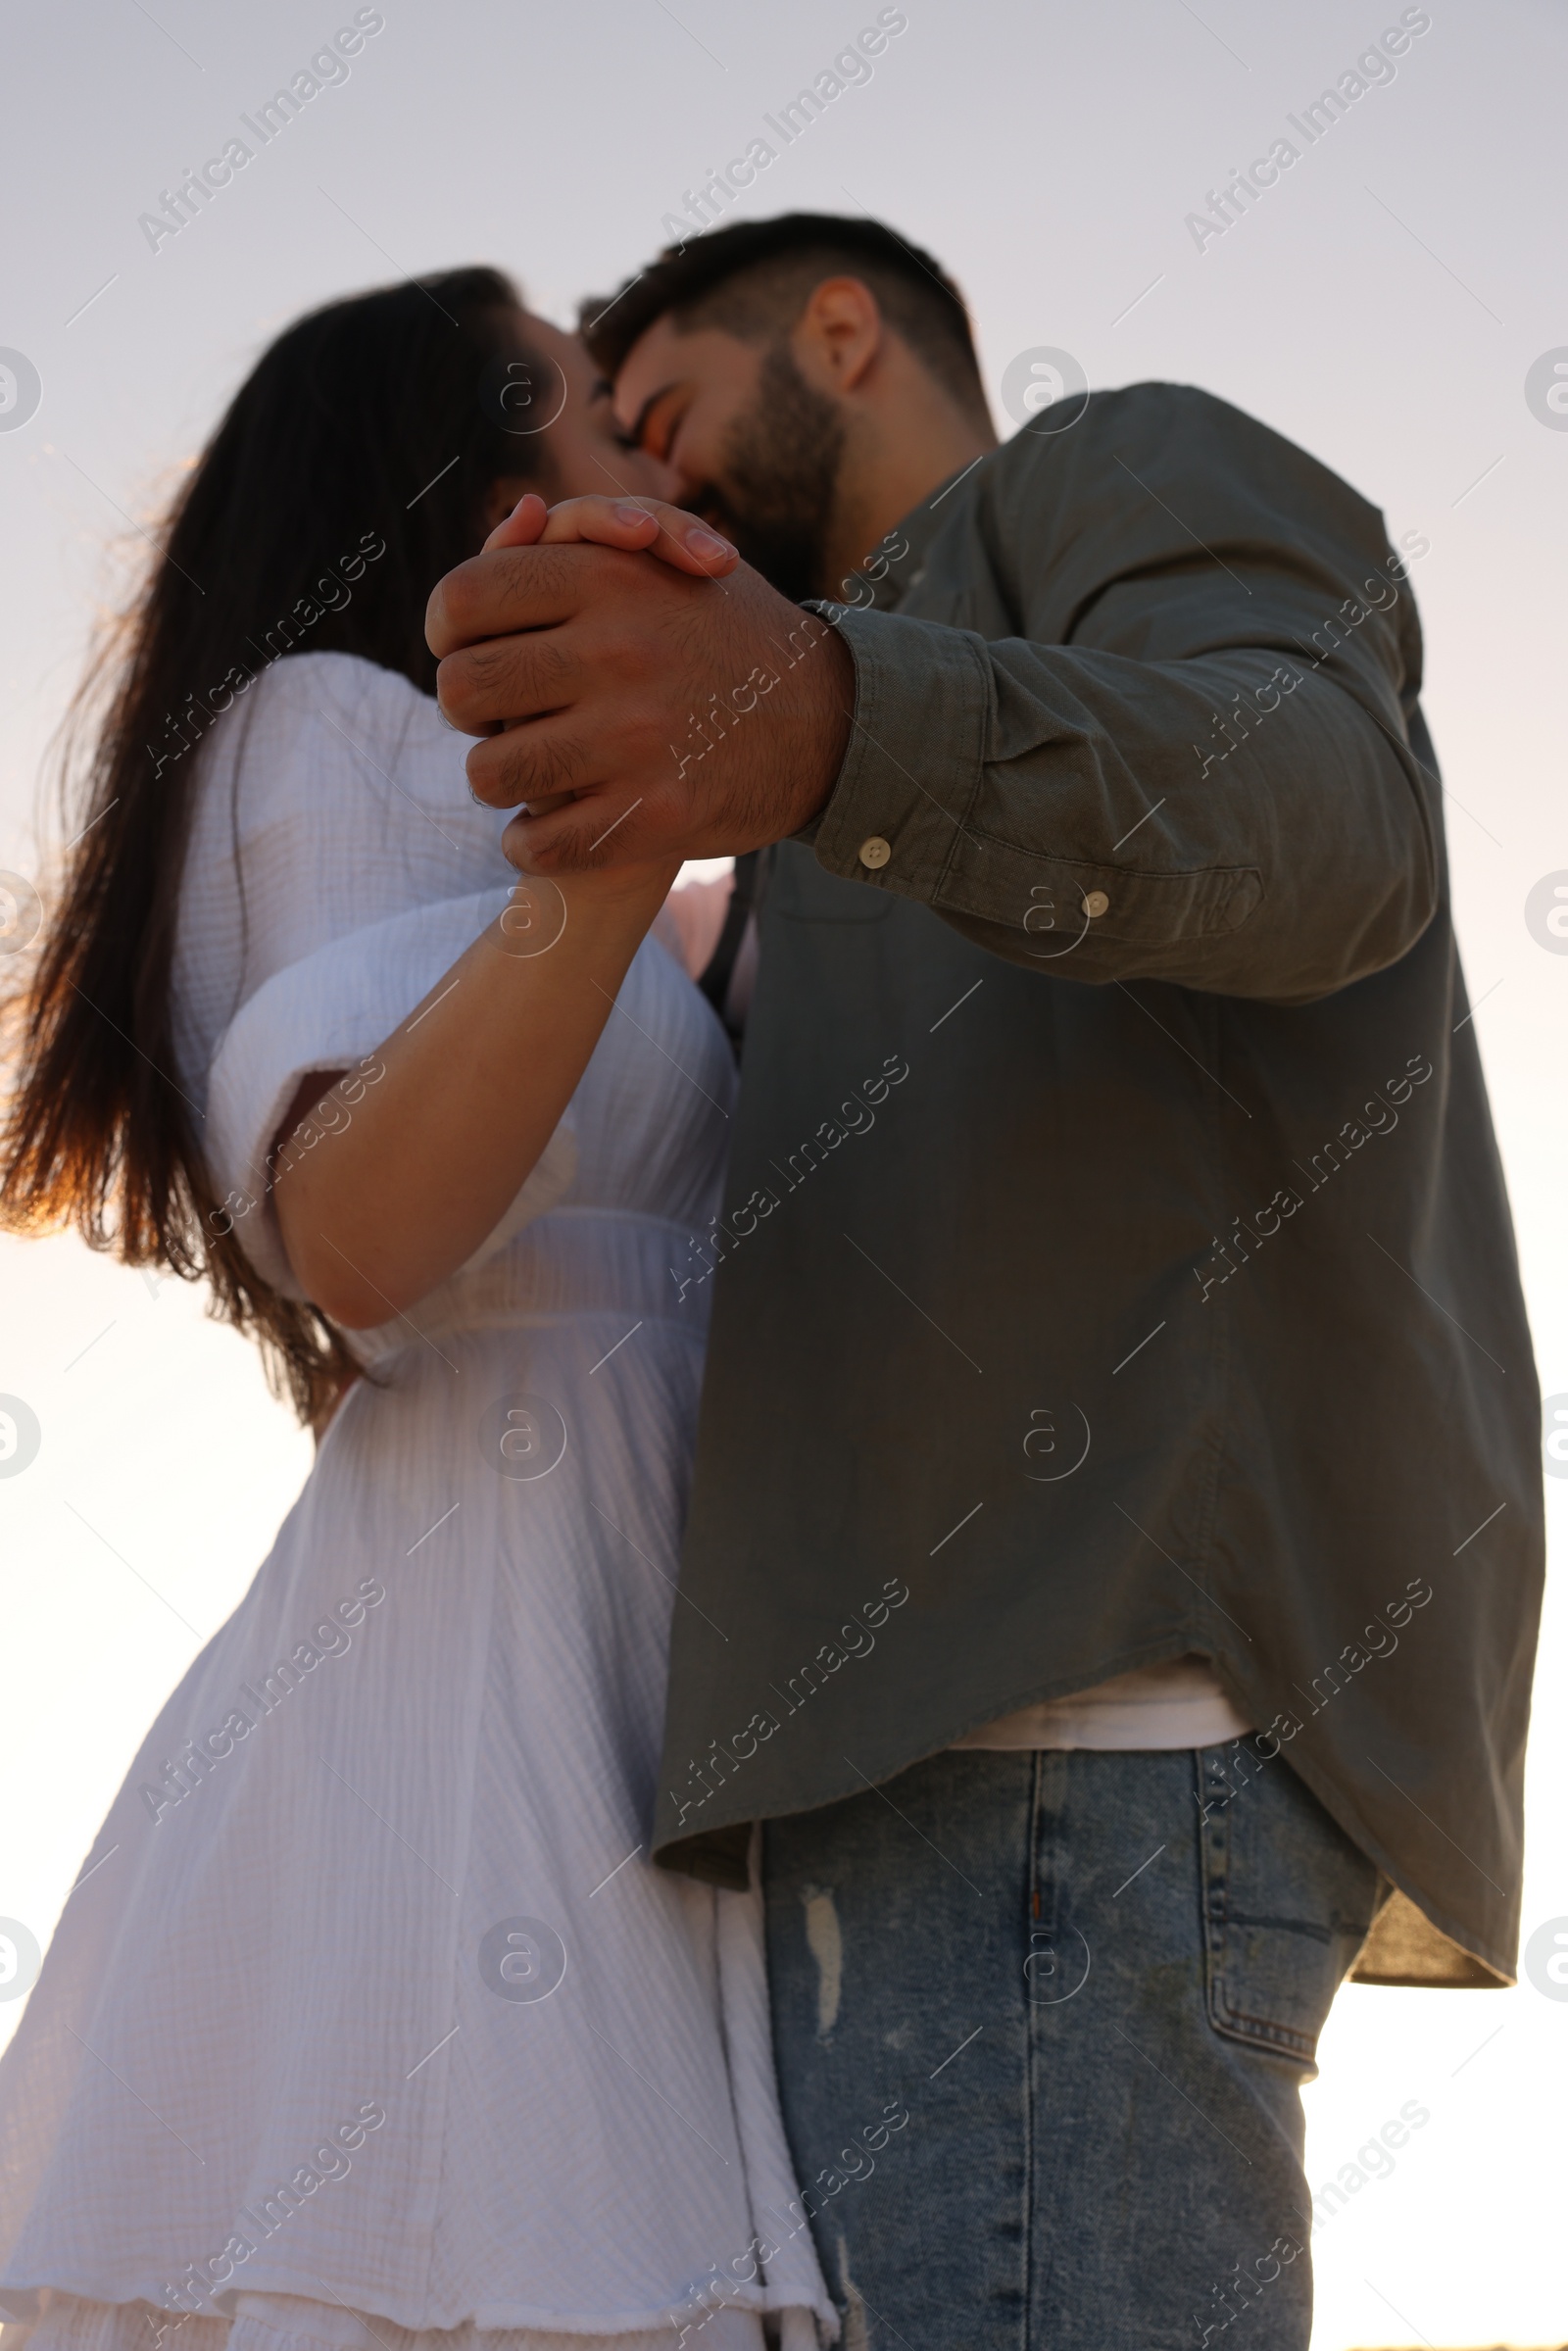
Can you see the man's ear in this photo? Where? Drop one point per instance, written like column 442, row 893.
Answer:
column 839, row 335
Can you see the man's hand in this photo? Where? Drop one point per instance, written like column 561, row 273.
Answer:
column 633, row 705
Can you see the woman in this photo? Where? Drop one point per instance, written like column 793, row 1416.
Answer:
column 367, row 2019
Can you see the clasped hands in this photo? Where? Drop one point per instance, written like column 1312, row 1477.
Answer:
column 642, row 695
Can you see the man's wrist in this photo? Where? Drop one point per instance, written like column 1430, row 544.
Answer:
column 832, row 685
column 916, row 749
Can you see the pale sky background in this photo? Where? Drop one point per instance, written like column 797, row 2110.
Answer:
column 1381, row 305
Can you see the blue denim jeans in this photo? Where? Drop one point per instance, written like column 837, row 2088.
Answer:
column 1041, row 2023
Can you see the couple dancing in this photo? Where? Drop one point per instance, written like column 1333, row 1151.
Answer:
column 861, row 1840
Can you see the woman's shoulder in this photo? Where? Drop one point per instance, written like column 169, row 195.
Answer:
column 314, row 723
column 310, row 691
column 332, row 797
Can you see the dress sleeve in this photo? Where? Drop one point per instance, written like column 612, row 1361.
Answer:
column 329, row 1011
column 353, row 805
column 332, row 797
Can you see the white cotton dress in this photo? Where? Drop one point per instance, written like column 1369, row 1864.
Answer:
column 368, row 2021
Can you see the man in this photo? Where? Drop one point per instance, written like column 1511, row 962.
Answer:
column 1115, row 1546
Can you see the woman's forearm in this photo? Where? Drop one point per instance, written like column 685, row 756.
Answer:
column 401, row 1193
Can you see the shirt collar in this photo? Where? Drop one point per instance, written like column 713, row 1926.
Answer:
column 912, row 537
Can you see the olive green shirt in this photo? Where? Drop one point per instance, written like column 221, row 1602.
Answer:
column 1115, row 1261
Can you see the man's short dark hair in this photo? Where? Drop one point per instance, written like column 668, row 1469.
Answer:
column 753, row 277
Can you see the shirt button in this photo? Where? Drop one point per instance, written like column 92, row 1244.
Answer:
column 1096, row 903
column 875, row 852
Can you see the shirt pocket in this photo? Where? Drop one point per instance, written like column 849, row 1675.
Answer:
column 1287, row 1902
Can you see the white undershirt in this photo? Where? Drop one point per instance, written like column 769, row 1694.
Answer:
column 1178, row 1704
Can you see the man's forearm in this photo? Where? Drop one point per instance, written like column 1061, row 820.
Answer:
column 1234, row 823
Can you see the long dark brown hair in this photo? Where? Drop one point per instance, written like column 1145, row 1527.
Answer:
column 368, row 434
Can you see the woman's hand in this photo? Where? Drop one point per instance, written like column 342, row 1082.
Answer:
column 639, row 525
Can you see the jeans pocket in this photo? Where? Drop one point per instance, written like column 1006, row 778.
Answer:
column 1287, row 1902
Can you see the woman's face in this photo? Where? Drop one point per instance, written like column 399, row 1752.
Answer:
column 574, row 407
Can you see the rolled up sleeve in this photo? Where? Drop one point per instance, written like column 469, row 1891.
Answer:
column 1212, row 783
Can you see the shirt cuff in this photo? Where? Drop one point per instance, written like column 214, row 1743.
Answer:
column 922, row 696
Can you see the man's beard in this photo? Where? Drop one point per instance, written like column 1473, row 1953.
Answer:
column 776, row 494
